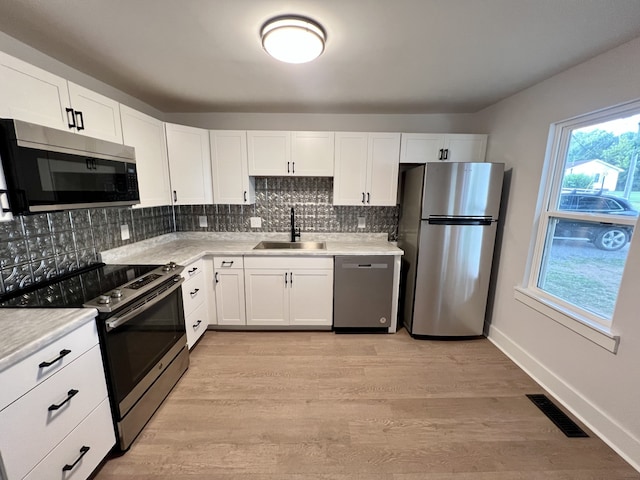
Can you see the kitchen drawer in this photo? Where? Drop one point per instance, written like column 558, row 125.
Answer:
column 196, row 323
column 95, row 432
column 193, row 293
column 26, row 374
column 31, row 430
column 193, row 269
column 228, row 263
column 289, row 262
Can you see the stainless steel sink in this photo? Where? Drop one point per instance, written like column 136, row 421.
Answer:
column 291, row 246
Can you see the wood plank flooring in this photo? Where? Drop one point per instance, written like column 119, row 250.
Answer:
column 320, row 406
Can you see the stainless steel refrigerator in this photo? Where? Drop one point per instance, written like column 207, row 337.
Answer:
column 447, row 229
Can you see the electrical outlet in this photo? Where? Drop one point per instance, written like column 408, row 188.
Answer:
column 124, row 232
column 203, row 221
column 256, row 222
column 362, row 223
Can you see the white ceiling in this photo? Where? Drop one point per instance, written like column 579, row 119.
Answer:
column 382, row 56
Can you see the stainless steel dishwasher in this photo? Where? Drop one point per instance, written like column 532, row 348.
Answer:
column 363, row 291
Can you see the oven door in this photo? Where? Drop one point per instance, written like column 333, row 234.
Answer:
column 46, row 181
column 141, row 342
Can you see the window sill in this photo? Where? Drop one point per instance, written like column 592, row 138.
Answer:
column 596, row 333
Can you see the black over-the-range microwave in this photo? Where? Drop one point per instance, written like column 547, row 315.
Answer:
column 47, row 169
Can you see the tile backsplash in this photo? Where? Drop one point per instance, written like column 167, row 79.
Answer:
column 310, row 196
column 34, row 248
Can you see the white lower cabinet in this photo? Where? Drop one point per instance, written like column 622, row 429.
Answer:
column 229, row 290
column 194, row 300
column 64, row 419
column 289, row 291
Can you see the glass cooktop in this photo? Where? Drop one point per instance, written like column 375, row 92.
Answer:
column 75, row 289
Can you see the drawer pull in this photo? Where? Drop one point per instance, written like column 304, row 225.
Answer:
column 194, row 293
column 217, row 279
column 225, row 262
column 83, row 452
column 70, row 394
column 63, row 353
column 197, row 324
column 192, row 271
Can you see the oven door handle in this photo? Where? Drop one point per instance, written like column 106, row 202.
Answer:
column 117, row 321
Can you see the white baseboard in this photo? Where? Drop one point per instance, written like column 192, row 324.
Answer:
column 612, row 433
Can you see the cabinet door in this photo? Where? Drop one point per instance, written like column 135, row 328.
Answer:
column 229, row 287
column 146, row 135
column 311, row 297
column 31, row 94
column 267, row 296
column 100, row 115
column 420, row 147
column 229, row 165
column 350, row 169
column 189, row 164
column 312, row 153
column 269, row 153
column 465, row 148
column 382, row 175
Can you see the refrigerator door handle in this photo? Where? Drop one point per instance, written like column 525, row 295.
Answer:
column 460, row 221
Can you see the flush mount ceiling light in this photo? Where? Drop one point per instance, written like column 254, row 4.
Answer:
column 293, row 39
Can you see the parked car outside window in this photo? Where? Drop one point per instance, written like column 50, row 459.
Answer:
column 604, row 236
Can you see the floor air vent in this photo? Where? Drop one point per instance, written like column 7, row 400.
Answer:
column 557, row 416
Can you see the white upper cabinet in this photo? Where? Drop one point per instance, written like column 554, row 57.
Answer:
column 146, row 135
column 95, row 115
column 366, row 169
column 269, row 153
column 312, row 154
column 465, row 147
column 231, row 181
column 31, row 94
column 34, row 95
column 279, row 153
column 189, row 164
column 432, row 147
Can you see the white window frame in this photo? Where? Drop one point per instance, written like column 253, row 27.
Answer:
column 583, row 322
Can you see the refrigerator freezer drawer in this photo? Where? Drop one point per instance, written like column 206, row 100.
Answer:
column 452, row 280
column 363, row 290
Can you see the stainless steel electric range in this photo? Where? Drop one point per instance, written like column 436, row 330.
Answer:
column 141, row 328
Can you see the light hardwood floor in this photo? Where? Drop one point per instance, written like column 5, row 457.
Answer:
column 320, row 406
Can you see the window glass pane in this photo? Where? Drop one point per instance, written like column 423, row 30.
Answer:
column 602, row 161
column 583, row 263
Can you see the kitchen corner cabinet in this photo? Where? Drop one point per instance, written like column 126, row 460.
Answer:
column 280, row 153
column 429, row 147
column 34, row 95
column 289, row 291
column 229, row 290
column 54, row 410
column 366, row 168
column 146, row 135
column 194, row 300
column 230, row 169
column 189, row 164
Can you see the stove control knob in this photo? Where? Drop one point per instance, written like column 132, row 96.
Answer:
column 172, row 265
column 166, row 268
column 104, row 299
column 116, row 293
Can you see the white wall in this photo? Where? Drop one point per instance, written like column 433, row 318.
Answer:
column 600, row 387
column 427, row 123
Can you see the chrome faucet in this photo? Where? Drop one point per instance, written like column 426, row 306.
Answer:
column 295, row 232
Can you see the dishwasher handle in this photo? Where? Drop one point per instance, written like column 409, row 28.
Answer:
column 365, row 265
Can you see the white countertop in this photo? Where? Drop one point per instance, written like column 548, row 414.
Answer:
column 185, row 248
column 24, row 331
